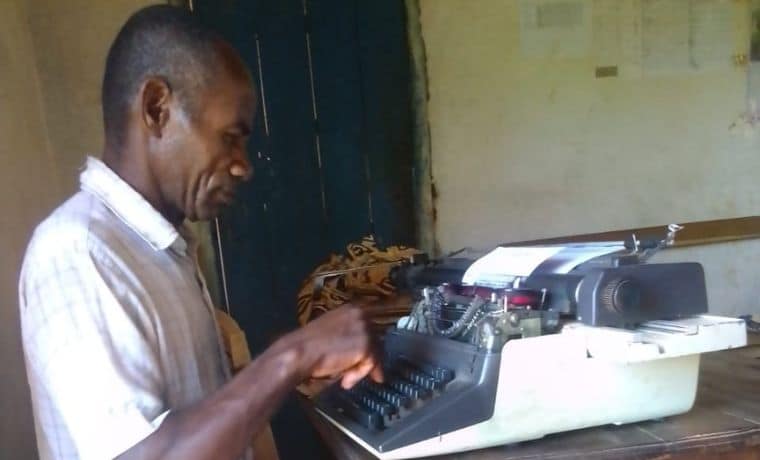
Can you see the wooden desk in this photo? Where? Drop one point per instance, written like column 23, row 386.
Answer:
column 724, row 423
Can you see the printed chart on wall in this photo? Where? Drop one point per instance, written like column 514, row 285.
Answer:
column 637, row 38
column 555, row 29
column 752, row 117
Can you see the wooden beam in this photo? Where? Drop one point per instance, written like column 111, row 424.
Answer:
column 693, row 233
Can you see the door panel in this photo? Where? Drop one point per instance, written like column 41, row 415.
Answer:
column 331, row 151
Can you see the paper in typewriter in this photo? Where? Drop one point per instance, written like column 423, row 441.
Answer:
column 500, row 267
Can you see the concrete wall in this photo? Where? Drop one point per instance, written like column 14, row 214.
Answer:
column 28, row 189
column 529, row 146
column 71, row 40
column 51, row 62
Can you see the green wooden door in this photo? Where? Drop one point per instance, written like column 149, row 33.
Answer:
column 331, row 151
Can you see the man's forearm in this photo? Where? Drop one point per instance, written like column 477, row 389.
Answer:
column 220, row 427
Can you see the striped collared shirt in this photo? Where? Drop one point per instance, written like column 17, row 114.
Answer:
column 118, row 327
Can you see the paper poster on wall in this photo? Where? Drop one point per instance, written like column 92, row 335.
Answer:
column 616, row 38
column 555, row 28
column 686, row 36
column 711, row 33
column 748, row 122
column 753, row 68
column 665, row 37
column 754, row 45
column 606, row 33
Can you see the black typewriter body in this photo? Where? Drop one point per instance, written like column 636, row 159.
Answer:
column 432, row 386
column 442, row 361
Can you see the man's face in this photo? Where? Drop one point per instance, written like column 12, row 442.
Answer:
column 205, row 157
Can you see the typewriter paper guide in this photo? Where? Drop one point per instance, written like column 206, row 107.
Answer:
column 501, row 266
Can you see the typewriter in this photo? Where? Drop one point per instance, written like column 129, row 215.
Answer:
column 611, row 340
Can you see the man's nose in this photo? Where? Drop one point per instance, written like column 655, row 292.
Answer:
column 241, row 167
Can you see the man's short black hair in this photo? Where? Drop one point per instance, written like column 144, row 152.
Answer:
column 162, row 41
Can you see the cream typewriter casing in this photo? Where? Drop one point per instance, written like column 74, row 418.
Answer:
column 587, row 376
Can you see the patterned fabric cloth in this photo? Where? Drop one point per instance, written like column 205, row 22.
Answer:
column 366, row 286
column 117, row 325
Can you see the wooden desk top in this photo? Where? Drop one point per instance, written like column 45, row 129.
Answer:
column 724, row 423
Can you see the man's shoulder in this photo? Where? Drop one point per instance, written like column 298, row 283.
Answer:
column 75, row 225
column 67, row 223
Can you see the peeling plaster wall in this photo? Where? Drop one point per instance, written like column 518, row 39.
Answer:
column 526, row 147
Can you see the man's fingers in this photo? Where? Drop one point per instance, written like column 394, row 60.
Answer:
column 377, row 374
column 352, row 376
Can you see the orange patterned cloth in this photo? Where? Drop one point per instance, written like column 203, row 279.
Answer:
column 362, row 286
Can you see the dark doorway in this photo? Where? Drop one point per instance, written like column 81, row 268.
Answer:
column 332, row 155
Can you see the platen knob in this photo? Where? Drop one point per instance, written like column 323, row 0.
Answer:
column 620, row 294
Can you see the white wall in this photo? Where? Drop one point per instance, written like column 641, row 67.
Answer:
column 28, row 189
column 51, row 62
column 71, row 40
column 526, row 147
column 730, row 272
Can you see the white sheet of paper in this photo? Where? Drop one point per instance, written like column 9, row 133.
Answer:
column 502, row 265
column 575, row 254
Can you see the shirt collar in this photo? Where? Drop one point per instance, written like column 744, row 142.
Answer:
column 129, row 206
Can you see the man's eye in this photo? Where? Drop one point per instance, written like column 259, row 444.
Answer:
column 229, row 139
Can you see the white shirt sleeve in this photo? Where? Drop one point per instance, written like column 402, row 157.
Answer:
column 90, row 348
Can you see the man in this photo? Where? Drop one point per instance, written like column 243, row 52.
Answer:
column 122, row 351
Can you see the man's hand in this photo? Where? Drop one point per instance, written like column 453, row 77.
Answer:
column 219, row 427
column 339, row 343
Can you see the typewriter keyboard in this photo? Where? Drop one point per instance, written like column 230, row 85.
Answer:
column 432, row 385
column 407, row 387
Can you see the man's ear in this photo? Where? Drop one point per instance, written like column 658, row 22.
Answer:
column 156, row 95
